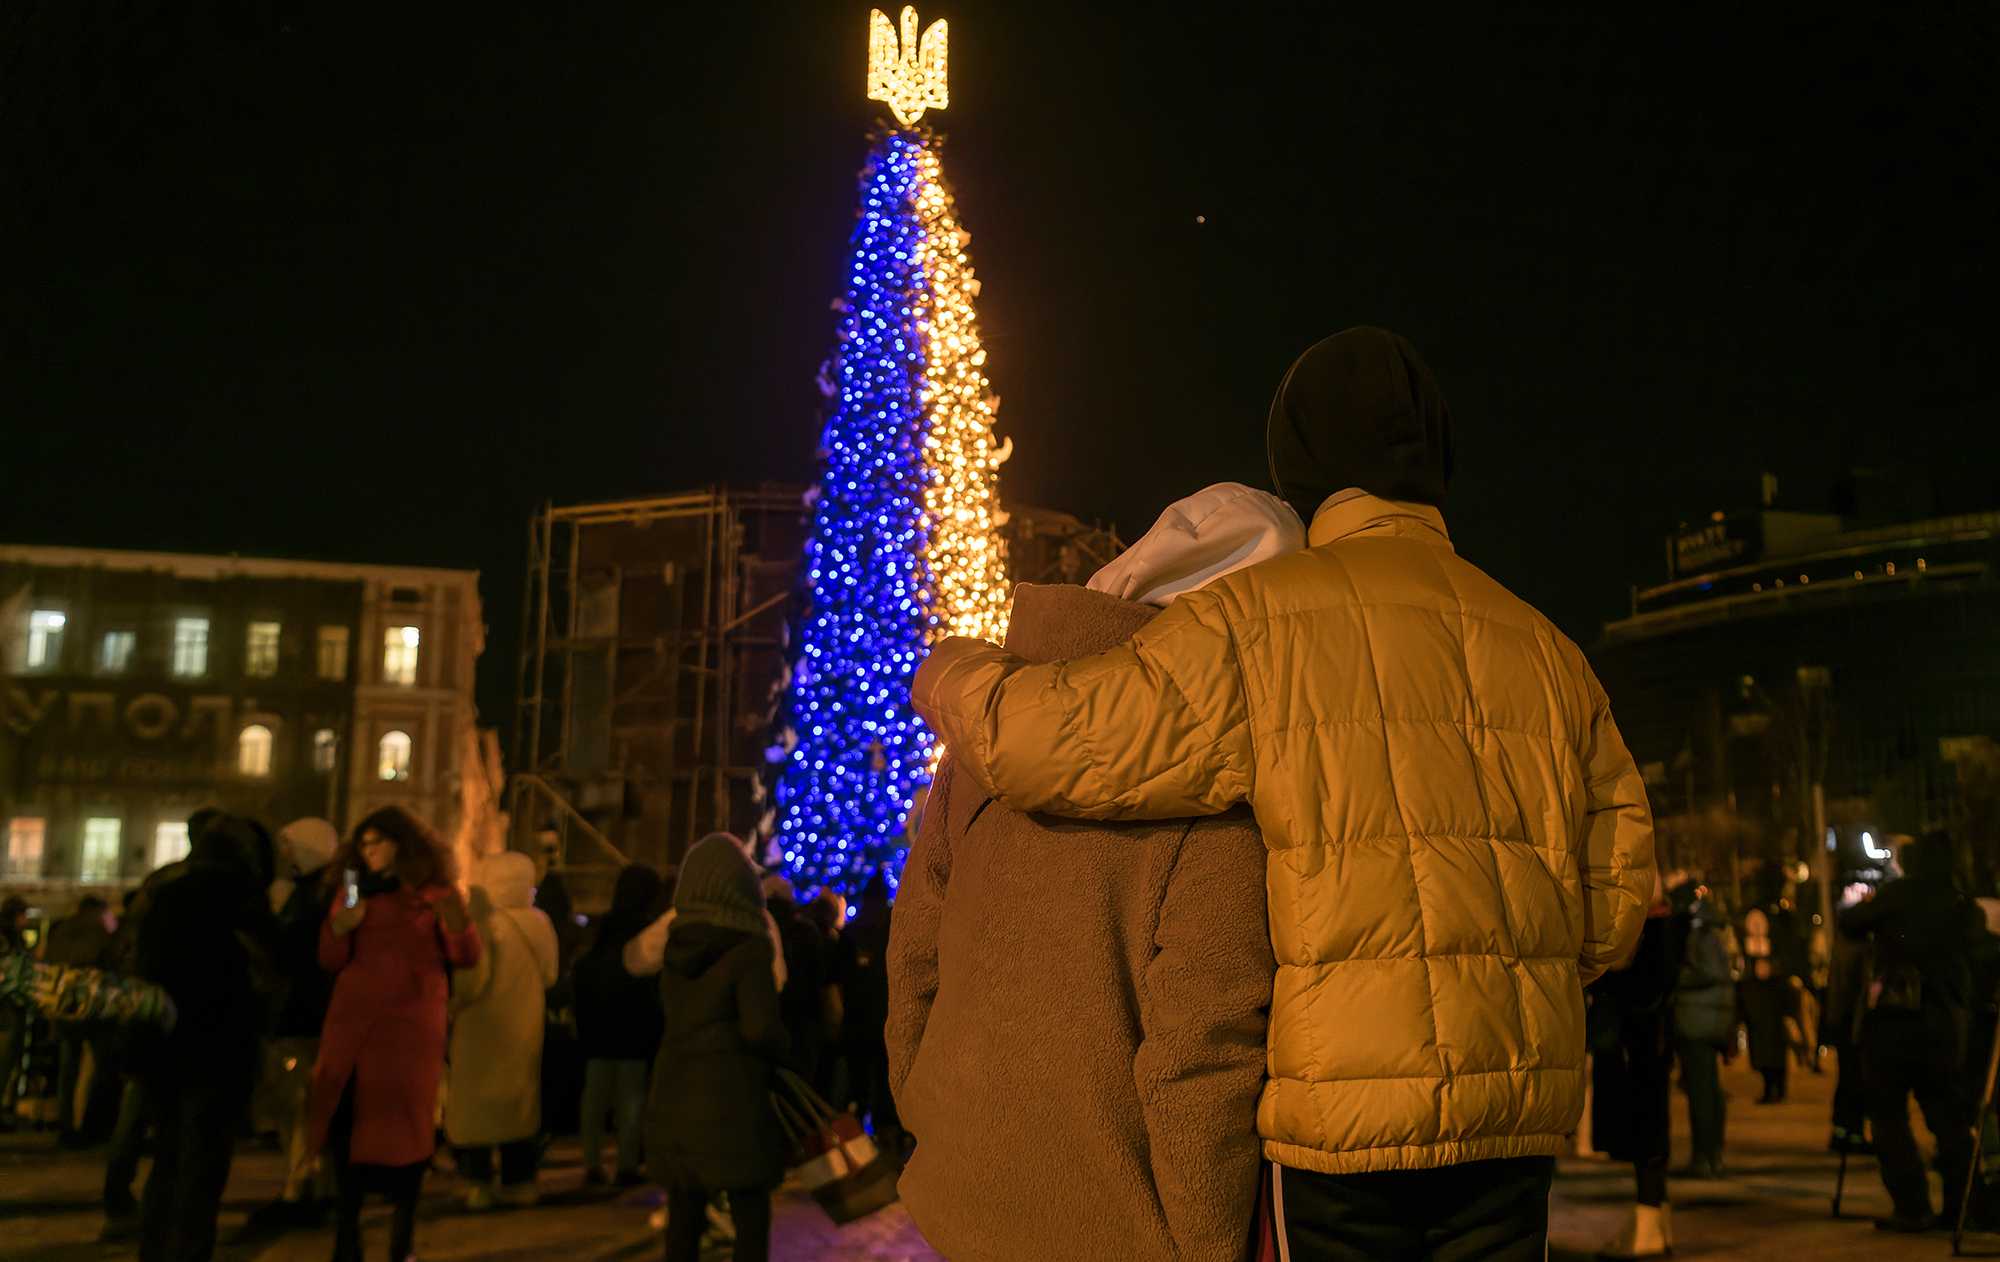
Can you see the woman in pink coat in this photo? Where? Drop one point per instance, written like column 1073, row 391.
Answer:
column 381, row 1054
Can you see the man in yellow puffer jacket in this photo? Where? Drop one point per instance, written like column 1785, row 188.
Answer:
column 1457, row 838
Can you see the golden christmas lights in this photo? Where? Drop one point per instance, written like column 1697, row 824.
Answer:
column 910, row 78
column 967, row 555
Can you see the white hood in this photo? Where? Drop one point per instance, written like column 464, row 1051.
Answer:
column 1216, row 531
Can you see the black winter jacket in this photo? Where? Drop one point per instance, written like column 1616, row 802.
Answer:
column 299, row 919
column 618, row 1015
column 710, row 1113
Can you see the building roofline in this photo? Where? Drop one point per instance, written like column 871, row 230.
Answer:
column 1778, row 600
column 780, row 496
column 1967, row 528
column 195, row 565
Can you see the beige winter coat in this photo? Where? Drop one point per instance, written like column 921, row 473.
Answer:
column 1458, row 838
column 1076, row 1024
column 494, row 1091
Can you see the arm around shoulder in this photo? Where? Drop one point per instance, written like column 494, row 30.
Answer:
column 1157, row 728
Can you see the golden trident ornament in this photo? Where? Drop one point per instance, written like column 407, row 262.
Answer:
column 909, row 79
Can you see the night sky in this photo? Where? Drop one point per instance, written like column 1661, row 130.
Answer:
column 368, row 281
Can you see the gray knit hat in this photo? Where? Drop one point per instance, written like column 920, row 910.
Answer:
column 718, row 887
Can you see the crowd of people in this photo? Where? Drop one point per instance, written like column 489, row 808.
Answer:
column 364, row 1006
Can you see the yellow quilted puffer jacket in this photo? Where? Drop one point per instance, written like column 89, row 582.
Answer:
column 1458, row 839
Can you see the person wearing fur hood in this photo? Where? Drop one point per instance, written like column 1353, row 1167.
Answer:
column 493, row 1097
column 1150, row 934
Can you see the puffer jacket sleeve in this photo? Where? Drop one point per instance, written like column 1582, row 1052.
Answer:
column 1157, row 728
column 1617, row 844
column 913, row 930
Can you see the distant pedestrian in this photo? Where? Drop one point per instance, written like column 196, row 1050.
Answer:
column 1839, row 1029
column 304, row 848
column 828, row 913
column 618, row 1027
column 79, row 940
column 121, row 1157
column 562, row 1059
column 709, row 1125
column 1704, row 1024
column 1632, row 1062
column 381, row 1054
column 1765, row 1001
column 808, row 972
column 210, row 942
column 494, row 1095
column 13, row 1023
column 863, row 973
column 1928, row 937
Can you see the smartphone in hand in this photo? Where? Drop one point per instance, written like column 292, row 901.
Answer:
column 351, row 886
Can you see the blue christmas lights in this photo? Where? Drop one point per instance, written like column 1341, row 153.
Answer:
column 862, row 753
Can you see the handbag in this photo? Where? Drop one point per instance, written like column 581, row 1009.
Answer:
column 837, row 1161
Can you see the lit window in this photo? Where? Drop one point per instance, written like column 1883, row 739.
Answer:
column 24, row 845
column 333, row 652
column 393, row 757
column 260, row 651
column 114, row 656
column 45, row 632
column 170, row 843
column 100, row 849
column 326, row 750
column 190, row 647
column 253, row 750
column 399, row 655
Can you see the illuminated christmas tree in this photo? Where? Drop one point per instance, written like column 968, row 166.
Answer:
column 905, row 546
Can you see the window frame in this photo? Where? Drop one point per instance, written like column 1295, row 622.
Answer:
column 185, row 843
column 399, row 772
column 332, row 635
column 264, row 741
column 44, row 649
column 8, row 859
column 117, row 856
column 128, row 640
column 261, row 656
column 182, row 641
column 397, row 646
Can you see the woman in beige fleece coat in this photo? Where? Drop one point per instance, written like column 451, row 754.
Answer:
column 1077, row 1010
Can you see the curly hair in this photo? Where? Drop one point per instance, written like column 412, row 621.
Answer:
column 423, row 856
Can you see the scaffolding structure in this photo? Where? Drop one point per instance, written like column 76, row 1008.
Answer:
column 653, row 663
column 1045, row 546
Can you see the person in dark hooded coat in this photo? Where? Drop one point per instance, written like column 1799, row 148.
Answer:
column 618, row 1027
column 709, row 1124
column 210, row 941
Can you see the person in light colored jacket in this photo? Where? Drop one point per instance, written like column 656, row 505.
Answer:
column 1458, row 839
column 493, row 1097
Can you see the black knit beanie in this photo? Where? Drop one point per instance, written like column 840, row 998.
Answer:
column 719, row 887
column 1359, row 409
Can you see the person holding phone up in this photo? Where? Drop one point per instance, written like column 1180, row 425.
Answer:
column 394, row 930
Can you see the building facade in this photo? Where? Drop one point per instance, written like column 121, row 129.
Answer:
column 139, row 687
column 1810, row 673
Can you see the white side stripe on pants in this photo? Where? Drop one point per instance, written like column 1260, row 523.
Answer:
column 1278, row 1212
